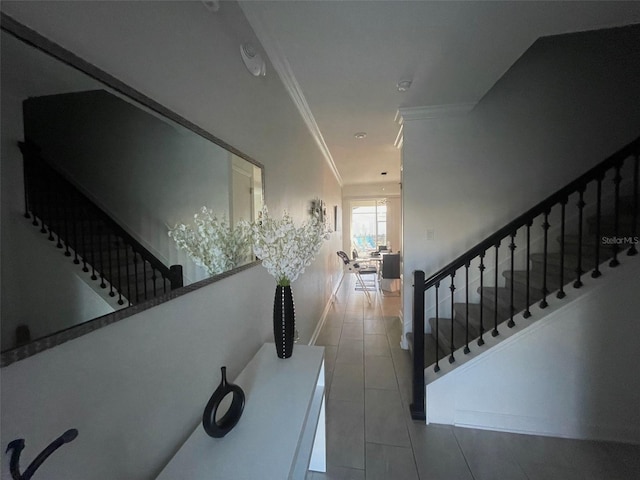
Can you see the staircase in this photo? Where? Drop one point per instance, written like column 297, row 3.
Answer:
column 495, row 303
column 89, row 237
column 568, row 235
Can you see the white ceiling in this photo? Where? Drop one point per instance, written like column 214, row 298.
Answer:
column 341, row 61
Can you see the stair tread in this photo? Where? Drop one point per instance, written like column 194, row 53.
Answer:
column 536, row 279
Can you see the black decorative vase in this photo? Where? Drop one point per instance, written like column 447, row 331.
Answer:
column 283, row 321
column 220, row 428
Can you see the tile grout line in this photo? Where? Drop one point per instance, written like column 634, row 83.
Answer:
column 404, row 413
column 453, row 430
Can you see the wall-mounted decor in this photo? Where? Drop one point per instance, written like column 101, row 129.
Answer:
column 318, row 208
column 336, row 223
column 16, row 447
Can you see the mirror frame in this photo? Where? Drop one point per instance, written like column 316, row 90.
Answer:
column 34, row 39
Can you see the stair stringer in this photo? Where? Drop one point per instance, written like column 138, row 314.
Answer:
column 568, row 371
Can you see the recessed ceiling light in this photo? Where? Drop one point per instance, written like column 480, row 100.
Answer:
column 404, row 85
column 361, row 135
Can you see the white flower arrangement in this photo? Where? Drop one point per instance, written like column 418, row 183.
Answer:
column 212, row 243
column 286, row 250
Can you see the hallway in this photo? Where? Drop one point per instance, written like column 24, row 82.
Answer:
column 370, row 434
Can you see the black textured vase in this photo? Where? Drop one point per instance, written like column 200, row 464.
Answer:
column 229, row 420
column 283, row 321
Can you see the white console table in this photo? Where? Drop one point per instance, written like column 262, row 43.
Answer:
column 281, row 433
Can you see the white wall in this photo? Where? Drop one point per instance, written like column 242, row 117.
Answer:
column 571, row 374
column 136, row 388
column 568, row 103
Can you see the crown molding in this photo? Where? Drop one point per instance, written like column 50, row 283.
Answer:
column 434, row 111
column 281, row 65
column 399, row 137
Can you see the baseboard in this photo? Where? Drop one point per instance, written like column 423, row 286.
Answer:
column 323, row 317
column 404, row 343
column 546, row 427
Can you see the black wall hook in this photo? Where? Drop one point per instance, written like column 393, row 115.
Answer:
column 16, row 447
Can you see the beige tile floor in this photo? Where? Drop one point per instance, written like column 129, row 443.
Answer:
column 370, row 434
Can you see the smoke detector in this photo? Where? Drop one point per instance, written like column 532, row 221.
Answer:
column 253, row 60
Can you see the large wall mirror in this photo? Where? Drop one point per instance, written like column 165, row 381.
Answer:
column 94, row 174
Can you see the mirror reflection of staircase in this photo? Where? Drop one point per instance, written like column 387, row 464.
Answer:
column 90, row 238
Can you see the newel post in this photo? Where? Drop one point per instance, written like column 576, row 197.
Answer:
column 417, row 407
column 176, row 276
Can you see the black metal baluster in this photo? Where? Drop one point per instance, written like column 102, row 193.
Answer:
column 616, row 218
column 36, row 194
column 437, row 367
column 67, row 208
column 545, row 226
column 596, row 271
column 135, row 272
column 482, row 268
column 91, row 244
column 527, row 312
column 60, row 224
column 46, row 214
column 102, row 268
column 581, row 204
column 43, row 203
column 512, row 307
column 452, row 287
column 144, row 277
column 36, row 203
column 117, row 244
column 126, row 259
column 154, row 278
column 76, row 244
column 111, row 292
column 466, row 302
column 83, row 232
column 634, row 226
column 495, row 332
column 563, row 203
